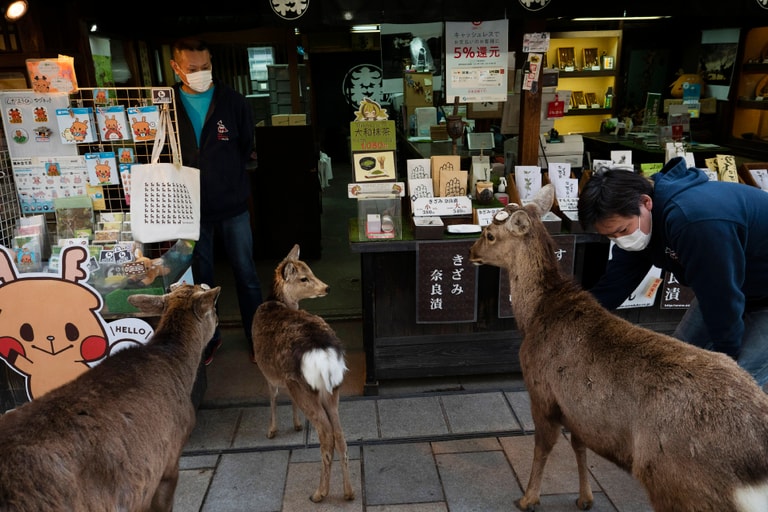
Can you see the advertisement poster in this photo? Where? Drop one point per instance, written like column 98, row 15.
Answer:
column 476, row 61
column 40, row 180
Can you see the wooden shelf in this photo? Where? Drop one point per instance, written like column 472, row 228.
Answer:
column 589, row 111
column 754, row 68
column 587, row 74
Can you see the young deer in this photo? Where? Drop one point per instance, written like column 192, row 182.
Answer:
column 688, row 423
column 300, row 351
column 111, row 439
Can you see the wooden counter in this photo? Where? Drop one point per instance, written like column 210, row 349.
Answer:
column 396, row 346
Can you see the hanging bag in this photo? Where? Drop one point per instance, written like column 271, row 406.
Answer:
column 165, row 196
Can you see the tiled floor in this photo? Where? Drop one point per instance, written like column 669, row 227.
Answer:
column 433, row 445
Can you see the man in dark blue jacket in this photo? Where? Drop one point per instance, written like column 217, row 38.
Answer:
column 216, row 136
column 712, row 235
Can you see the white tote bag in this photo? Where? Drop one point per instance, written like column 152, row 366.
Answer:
column 165, row 197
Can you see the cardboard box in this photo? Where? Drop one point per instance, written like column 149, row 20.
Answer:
column 297, row 119
column 281, row 119
column 706, row 105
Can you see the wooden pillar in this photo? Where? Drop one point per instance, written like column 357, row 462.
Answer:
column 530, row 112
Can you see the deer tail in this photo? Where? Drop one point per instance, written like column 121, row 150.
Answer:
column 323, row 368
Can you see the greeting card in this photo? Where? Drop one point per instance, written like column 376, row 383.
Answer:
column 76, row 125
column 112, row 123
column 102, row 168
column 144, row 122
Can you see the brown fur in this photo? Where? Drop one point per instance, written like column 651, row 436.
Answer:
column 689, row 424
column 282, row 335
column 111, row 439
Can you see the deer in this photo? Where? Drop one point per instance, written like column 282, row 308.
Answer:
column 689, row 424
column 300, row 352
column 111, row 438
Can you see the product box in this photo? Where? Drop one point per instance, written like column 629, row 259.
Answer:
column 297, row 119
column 428, row 228
column 379, row 217
column 281, row 119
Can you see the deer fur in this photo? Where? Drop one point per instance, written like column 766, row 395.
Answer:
column 299, row 351
column 111, row 439
column 689, row 424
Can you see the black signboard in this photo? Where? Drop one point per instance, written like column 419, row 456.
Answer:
column 446, row 283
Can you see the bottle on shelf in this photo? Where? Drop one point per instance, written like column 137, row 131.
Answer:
column 608, row 98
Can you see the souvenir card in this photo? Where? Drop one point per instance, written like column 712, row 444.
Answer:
column 378, row 166
column 39, row 181
column 112, row 123
column 76, row 125
column 125, row 180
column 453, row 183
column 420, row 187
column 621, row 157
column 418, row 168
column 761, row 177
column 527, row 181
column 126, row 156
column 144, row 122
column 28, row 255
column 558, row 171
column 440, row 163
column 102, row 168
column 101, row 97
column 29, row 122
column 52, row 75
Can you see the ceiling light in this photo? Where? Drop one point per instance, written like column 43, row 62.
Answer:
column 16, row 10
column 622, row 18
column 94, row 28
column 364, row 28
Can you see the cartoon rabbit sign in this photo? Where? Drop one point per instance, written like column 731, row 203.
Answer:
column 50, row 327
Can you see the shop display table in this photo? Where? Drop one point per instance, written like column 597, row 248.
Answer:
column 397, row 347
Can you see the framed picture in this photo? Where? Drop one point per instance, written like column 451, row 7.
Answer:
column 485, row 110
column 607, row 62
column 591, row 99
column 578, row 100
column 591, row 59
column 566, row 58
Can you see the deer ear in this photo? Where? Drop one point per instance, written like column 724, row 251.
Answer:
column 294, row 254
column 519, row 223
column 544, row 199
column 146, row 303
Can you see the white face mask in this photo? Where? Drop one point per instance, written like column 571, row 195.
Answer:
column 636, row 241
column 200, row 81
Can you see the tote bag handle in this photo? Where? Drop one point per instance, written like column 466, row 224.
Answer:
column 165, row 127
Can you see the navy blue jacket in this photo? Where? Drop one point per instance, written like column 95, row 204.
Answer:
column 226, row 142
column 713, row 236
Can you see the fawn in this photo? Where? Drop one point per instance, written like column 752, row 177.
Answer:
column 301, row 352
column 111, row 439
column 689, row 424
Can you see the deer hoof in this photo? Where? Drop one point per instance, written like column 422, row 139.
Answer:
column 525, row 508
column 271, row 434
column 298, row 428
column 316, row 497
column 583, row 505
column 350, row 496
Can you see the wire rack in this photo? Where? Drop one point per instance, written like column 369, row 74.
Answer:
column 9, row 201
column 114, row 194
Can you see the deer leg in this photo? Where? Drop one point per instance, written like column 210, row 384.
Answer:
column 585, row 499
column 162, row 500
column 273, row 390
column 297, row 426
column 545, row 438
column 309, row 402
column 332, row 408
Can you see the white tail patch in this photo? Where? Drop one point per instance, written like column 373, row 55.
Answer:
column 752, row 498
column 323, row 368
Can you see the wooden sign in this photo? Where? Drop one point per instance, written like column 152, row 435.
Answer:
column 446, row 283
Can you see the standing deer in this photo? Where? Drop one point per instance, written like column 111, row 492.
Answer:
column 301, row 352
column 111, row 439
column 689, row 424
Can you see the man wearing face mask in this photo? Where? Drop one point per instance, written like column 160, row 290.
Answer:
column 216, row 135
column 712, row 235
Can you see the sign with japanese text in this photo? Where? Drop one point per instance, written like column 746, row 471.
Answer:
column 446, row 283
column 476, row 61
column 372, row 136
column 431, row 206
column 674, row 295
column 565, row 251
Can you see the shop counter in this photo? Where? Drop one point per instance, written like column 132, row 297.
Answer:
column 600, row 145
column 397, row 345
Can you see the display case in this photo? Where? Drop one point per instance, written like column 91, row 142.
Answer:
column 750, row 114
column 588, row 64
